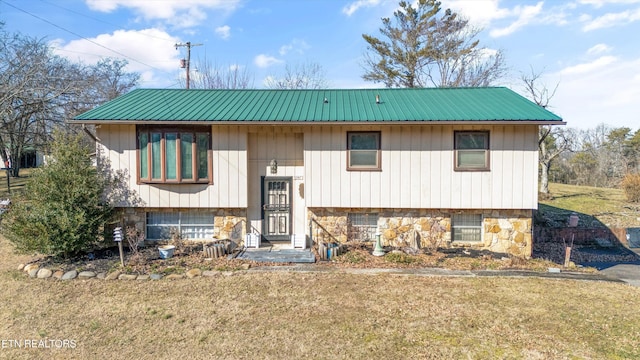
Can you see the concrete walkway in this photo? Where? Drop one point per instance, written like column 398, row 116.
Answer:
column 439, row 272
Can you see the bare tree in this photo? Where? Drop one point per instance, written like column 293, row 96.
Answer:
column 208, row 75
column 35, row 86
column 308, row 75
column 552, row 141
column 420, row 49
column 40, row 90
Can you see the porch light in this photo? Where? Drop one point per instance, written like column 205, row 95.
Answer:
column 274, row 166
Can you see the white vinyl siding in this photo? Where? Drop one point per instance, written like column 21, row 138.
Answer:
column 417, row 169
column 229, row 164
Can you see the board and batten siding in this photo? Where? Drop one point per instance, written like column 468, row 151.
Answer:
column 417, row 169
column 285, row 145
column 229, row 151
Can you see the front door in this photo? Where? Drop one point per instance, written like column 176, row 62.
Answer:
column 276, row 205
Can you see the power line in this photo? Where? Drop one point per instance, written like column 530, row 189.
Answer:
column 100, row 20
column 80, row 36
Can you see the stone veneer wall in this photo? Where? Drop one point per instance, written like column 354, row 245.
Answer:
column 227, row 223
column 504, row 231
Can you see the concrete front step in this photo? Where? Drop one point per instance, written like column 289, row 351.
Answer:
column 285, row 256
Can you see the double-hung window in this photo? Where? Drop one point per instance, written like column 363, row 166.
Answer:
column 363, row 150
column 174, row 155
column 471, row 150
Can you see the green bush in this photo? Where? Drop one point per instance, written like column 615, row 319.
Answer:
column 631, row 186
column 62, row 210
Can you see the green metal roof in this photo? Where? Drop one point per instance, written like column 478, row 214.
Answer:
column 299, row 106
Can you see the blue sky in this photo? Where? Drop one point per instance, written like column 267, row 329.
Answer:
column 589, row 48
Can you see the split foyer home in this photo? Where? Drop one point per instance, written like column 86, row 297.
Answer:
column 444, row 166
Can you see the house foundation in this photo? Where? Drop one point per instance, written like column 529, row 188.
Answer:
column 227, row 223
column 502, row 231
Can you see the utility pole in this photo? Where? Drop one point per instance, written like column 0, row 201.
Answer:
column 185, row 64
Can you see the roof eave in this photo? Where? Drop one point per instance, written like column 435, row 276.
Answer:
column 301, row 122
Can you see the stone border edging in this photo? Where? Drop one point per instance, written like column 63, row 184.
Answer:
column 34, row 271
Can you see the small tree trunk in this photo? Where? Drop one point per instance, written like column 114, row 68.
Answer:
column 544, row 177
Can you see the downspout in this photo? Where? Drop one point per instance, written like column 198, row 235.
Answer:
column 91, row 135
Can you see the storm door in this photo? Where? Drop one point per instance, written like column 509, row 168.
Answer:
column 276, row 205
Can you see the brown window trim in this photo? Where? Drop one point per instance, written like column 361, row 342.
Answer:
column 194, row 130
column 487, row 150
column 378, row 166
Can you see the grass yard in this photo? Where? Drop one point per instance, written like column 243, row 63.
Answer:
column 16, row 184
column 280, row 315
column 608, row 206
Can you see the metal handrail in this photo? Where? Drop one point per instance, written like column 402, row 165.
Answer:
column 324, row 232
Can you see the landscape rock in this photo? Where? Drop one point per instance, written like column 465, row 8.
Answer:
column 33, row 272
column 227, row 273
column 210, row 273
column 69, row 275
column 44, row 273
column 101, row 275
column 142, row 277
column 86, row 274
column 27, row 268
column 127, row 277
column 155, row 276
column 21, row 266
column 193, row 273
column 245, row 266
column 112, row 275
column 58, row 274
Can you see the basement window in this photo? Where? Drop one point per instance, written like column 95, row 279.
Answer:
column 466, row 227
column 191, row 225
column 362, row 226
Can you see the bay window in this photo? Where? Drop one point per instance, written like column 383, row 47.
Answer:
column 174, row 155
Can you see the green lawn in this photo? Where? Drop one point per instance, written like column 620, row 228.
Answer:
column 16, row 184
column 609, row 206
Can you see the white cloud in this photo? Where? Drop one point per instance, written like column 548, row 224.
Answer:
column 601, row 3
column 604, row 92
column 526, row 14
column 590, row 67
column 223, row 31
column 479, row 12
column 598, row 49
column 612, row 19
column 147, row 51
column 297, row 46
column 180, row 13
column 356, row 5
column 265, row 61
